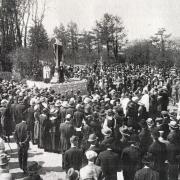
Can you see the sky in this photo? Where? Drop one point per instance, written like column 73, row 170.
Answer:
column 141, row 18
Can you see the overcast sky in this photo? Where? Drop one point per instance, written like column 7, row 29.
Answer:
column 142, row 18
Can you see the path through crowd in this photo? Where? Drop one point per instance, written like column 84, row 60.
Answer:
column 51, row 163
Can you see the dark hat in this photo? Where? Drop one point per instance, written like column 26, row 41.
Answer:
column 33, row 167
column 155, row 133
column 147, row 159
column 92, row 138
column 143, row 123
column 134, row 138
column 165, row 113
column 73, row 139
column 102, row 113
column 110, row 112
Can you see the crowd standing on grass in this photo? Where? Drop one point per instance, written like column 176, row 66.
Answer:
column 122, row 124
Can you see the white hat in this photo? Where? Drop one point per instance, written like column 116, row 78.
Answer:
column 65, row 104
column 87, row 100
column 68, row 116
column 4, row 102
column 91, row 154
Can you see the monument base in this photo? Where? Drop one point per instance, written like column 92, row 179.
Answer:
column 55, row 78
column 72, row 84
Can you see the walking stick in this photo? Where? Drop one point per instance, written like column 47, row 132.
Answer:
column 10, row 147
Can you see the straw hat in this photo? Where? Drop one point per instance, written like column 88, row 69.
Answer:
column 4, row 159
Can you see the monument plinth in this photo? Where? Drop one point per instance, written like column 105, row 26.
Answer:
column 58, row 54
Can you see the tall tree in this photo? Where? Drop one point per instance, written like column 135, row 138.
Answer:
column 73, row 36
column 111, row 31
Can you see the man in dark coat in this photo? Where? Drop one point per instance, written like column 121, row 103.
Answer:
column 22, row 137
column 29, row 117
column 146, row 173
column 78, row 116
column 71, row 109
column 173, row 154
column 158, row 152
column 109, row 162
column 131, row 158
column 73, row 156
column 19, row 110
column 66, row 131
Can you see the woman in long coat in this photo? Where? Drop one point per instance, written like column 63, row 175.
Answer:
column 42, row 118
column 6, row 118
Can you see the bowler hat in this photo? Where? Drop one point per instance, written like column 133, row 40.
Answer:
column 92, row 138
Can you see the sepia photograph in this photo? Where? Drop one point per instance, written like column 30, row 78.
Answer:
column 89, row 90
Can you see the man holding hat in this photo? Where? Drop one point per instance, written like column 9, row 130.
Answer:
column 4, row 172
column 91, row 171
column 22, row 137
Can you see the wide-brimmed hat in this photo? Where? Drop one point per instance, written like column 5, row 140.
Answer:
column 173, row 125
column 106, row 132
column 165, row 113
column 33, row 167
column 102, row 113
column 58, row 103
column 68, row 116
column 4, row 102
column 72, row 174
column 110, row 112
column 91, row 154
column 92, row 138
column 150, row 122
column 65, row 104
column 4, row 159
column 159, row 120
column 124, row 131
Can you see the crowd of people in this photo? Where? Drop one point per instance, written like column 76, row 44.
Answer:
column 122, row 124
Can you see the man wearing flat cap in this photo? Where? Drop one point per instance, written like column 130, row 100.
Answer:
column 91, row 171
